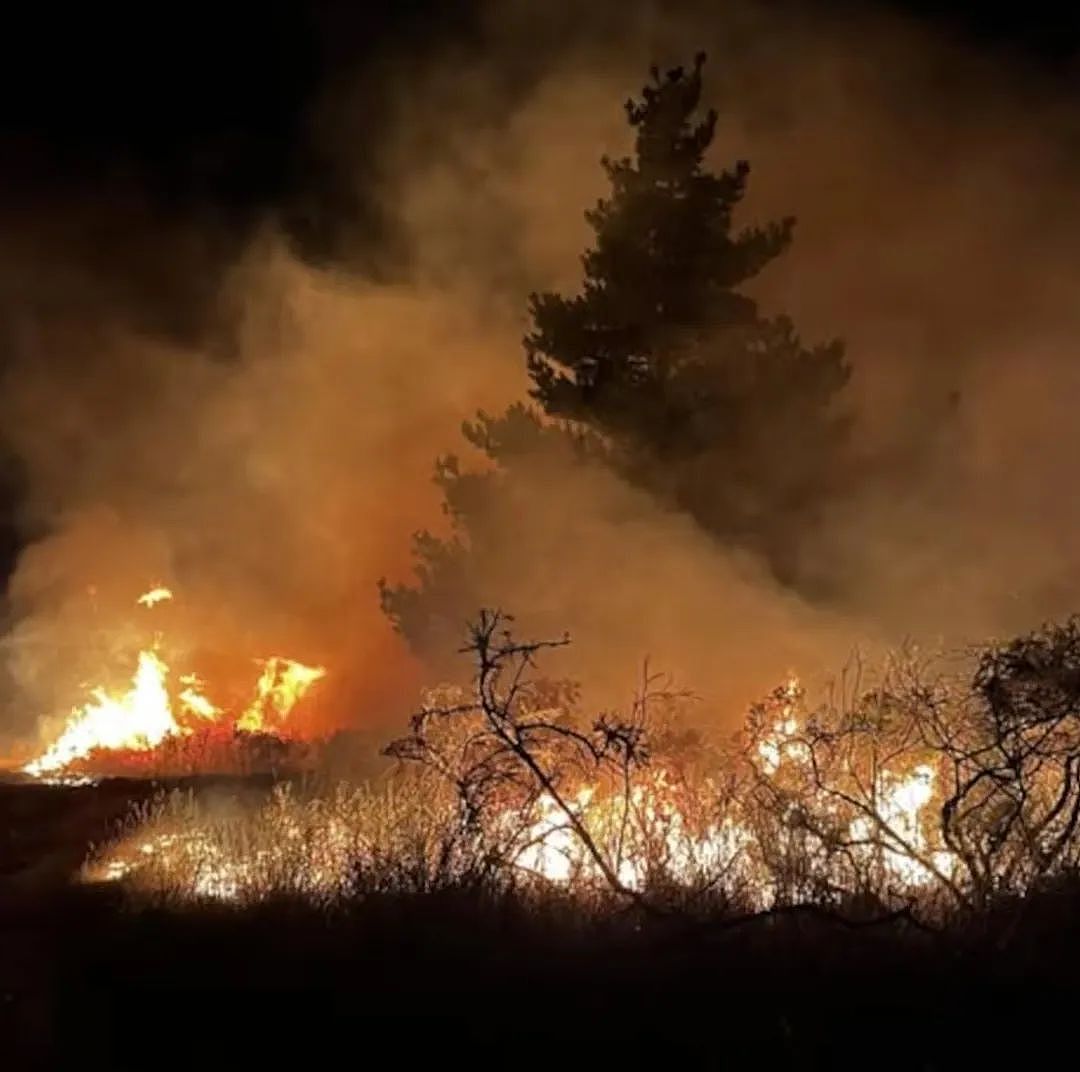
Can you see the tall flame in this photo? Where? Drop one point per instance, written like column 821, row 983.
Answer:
column 140, row 719
column 143, row 716
column 281, row 685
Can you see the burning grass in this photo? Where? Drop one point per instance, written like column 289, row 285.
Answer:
column 331, row 844
column 930, row 795
column 168, row 729
column 933, row 793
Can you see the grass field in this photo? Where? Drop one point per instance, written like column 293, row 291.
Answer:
column 87, row 977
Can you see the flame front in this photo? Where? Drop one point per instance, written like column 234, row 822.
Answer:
column 146, row 715
column 658, row 827
column 140, row 719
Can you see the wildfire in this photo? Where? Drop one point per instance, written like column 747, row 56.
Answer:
column 140, row 719
column 552, row 848
column 281, row 685
column 782, row 742
column 901, row 804
column 654, row 827
column 317, row 848
column 146, row 714
column 192, row 699
column 311, row 847
column 646, row 830
column 649, row 826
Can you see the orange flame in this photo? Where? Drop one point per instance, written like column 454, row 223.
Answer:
column 145, row 715
column 656, row 826
column 281, row 685
column 140, row 719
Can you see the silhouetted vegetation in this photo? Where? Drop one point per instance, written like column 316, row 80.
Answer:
column 661, row 368
column 841, row 906
column 937, row 794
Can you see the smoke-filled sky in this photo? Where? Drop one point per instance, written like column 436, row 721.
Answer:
column 249, row 295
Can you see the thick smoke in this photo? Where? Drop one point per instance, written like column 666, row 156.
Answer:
column 259, row 432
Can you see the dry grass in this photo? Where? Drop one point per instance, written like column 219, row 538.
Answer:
column 925, row 794
column 320, row 843
column 214, row 749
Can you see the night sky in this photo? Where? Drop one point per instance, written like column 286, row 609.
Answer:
column 203, row 104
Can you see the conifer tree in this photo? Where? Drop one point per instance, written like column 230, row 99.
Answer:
column 661, row 366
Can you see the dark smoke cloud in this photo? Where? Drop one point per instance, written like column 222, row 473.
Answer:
column 258, row 431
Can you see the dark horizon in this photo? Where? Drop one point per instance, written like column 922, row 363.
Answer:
column 206, row 106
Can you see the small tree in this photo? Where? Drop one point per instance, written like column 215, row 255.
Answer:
column 661, row 367
column 638, row 806
column 842, row 800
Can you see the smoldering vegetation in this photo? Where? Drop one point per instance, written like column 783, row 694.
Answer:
column 250, row 415
column 424, row 901
column 256, row 426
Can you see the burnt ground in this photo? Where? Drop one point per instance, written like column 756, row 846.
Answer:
column 455, row 978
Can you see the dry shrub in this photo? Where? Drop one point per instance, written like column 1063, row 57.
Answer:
column 933, row 793
column 213, row 749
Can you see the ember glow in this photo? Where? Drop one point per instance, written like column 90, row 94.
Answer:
column 660, row 829
column 647, row 831
column 865, row 803
column 150, row 712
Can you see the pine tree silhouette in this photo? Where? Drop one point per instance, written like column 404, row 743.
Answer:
column 660, row 366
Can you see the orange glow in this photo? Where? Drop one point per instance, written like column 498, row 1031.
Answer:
column 192, row 699
column 657, row 827
column 148, row 712
column 281, row 685
column 140, row 719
